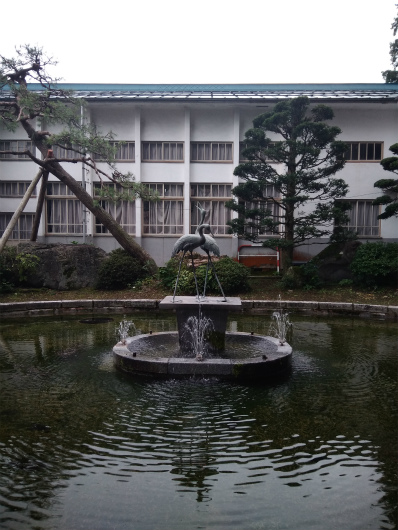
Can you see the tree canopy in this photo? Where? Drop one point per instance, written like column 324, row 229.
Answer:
column 391, row 76
column 44, row 106
column 389, row 186
column 289, row 192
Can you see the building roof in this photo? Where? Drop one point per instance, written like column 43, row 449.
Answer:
column 361, row 91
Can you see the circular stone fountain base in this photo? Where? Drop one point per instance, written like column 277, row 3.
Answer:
column 246, row 357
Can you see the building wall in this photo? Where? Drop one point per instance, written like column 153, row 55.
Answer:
column 170, row 121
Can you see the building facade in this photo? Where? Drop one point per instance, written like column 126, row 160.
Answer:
column 184, row 142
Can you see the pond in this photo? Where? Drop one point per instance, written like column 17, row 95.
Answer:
column 84, row 446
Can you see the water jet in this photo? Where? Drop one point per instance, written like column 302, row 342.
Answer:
column 202, row 347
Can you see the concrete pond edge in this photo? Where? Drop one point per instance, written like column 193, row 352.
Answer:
column 62, row 307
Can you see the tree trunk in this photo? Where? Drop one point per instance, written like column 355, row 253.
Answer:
column 55, row 168
column 121, row 236
column 39, row 208
column 19, row 210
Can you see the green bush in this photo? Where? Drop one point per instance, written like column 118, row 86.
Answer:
column 119, row 271
column 14, row 268
column 233, row 276
column 8, row 271
column 376, row 264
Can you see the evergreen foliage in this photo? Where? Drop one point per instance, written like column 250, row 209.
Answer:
column 14, row 268
column 120, row 271
column 389, row 186
column 36, row 109
column 376, row 264
column 233, row 276
column 391, row 76
column 292, row 156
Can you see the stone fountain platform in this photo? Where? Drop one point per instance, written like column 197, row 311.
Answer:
column 215, row 309
column 227, row 355
column 158, row 355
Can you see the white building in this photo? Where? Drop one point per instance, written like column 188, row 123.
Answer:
column 183, row 140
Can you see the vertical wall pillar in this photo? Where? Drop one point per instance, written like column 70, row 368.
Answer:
column 187, row 173
column 235, row 180
column 137, row 174
column 87, row 184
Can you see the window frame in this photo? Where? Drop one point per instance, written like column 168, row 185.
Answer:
column 22, row 186
column 120, row 145
column 17, row 227
column 164, row 196
column 28, row 144
column 376, row 210
column 68, row 197
column 211, row 146
column 163, row 145
column 111, row 208
column 206, row 203
column 361, row 146
column 243, row 146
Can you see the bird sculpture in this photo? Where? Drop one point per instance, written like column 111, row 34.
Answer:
column 208, row 246
column 188, row 243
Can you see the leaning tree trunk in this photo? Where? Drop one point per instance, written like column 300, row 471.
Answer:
column 55, row 168
column 121, row 236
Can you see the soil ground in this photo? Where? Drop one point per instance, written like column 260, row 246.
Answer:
column 261, row 289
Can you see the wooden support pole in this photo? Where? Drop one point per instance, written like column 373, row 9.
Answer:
column 19, row 210
column 39, row 208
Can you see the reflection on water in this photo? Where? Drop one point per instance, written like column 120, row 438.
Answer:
column 83, row 446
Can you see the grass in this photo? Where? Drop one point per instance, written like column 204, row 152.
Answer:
column 261, row 289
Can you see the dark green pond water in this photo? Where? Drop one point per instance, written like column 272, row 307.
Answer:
column 85, row 447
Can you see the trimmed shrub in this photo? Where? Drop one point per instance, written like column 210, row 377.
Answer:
column 15, row 267
column 233, row 276
column 376, row 264
column 8, row 271
column 119, row 270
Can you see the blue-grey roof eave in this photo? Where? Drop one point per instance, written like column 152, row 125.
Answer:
column 243, row 92
column 245, row 87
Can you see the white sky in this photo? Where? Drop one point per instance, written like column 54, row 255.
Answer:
column 206, row 41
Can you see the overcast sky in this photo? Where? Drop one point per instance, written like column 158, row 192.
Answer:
column 207, row 41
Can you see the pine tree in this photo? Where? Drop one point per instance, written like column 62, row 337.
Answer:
column 292, row 169
column 22, row 105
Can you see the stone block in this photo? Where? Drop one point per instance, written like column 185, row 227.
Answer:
column 88, row 304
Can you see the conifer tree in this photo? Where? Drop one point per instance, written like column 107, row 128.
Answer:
column 292, row 157
column 38, row 107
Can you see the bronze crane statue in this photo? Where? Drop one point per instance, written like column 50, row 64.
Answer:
column 208, row 246
column 188, row 243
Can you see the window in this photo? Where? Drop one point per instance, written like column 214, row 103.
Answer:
column 63, row 152
column 271, row 204
column 15, row 145
column 23, row 227
column 211, row 152
column 363, row 218
column 125, row 152
column 165, row 216
column 254, row 227
column 364, row 151
column 242, row 147
column 212, row 198
column 123, row 211
column 162, row 151
column 14, row 189
column 64, row 213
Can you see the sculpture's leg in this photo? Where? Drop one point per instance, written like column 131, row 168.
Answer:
column 178, row 276
column 207, row 271
column 218, row 281
column 196, row 281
